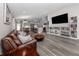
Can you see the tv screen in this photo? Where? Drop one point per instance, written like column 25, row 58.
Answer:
column 60, row 19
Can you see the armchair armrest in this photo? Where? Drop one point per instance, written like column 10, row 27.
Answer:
column 27, row 43
column 27, row 49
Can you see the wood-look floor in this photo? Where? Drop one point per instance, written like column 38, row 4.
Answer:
column 58, row 46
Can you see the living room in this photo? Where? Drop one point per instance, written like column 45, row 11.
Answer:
column 39, row 21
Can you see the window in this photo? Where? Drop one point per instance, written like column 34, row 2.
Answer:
column 18, row 26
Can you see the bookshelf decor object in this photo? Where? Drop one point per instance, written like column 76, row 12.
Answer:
column 73, row 26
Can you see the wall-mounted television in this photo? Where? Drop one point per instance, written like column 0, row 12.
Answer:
column 60, row 19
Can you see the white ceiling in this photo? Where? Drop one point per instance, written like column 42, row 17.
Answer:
column 25, row 10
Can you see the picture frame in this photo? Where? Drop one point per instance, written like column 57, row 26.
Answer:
column 6, row 14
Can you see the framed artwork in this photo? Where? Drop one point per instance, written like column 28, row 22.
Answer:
column 6, row 14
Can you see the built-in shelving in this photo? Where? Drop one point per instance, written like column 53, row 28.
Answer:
column 69, row 31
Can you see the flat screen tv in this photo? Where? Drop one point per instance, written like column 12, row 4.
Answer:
column 60, row 19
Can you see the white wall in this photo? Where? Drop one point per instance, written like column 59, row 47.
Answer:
column 72, row 10
column 4, row 29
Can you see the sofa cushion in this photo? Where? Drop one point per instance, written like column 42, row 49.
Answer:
column 15, row 39
column 24, row 39
column 8, row 44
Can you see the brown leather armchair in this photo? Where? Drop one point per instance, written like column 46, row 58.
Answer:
column 12, row 46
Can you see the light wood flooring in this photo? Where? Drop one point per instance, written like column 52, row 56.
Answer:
column 58, row 46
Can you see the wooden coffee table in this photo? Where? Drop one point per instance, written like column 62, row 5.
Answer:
column 39, row 36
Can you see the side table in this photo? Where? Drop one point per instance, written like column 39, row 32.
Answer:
column 39, row 36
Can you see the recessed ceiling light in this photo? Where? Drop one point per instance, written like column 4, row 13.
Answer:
column 23, row 17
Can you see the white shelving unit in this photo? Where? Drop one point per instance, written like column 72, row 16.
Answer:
column 70, row 31
column 73, row 26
